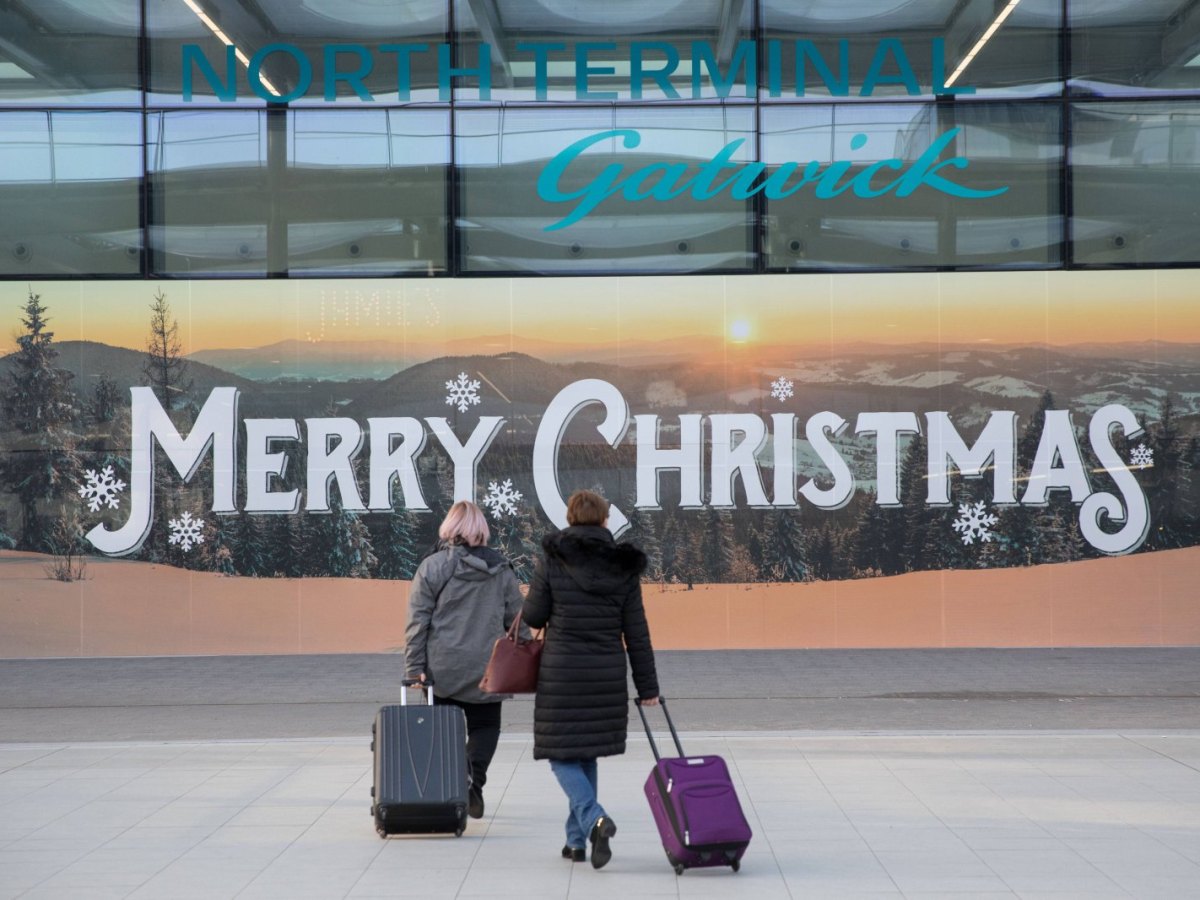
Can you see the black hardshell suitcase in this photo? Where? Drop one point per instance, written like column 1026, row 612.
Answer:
column 420, row 768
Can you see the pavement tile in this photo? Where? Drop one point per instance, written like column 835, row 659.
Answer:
column 834, row 816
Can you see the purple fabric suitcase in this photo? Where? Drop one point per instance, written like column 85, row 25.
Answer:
column 695, row 807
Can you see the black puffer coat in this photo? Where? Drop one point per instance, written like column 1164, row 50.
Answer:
column 587, row 593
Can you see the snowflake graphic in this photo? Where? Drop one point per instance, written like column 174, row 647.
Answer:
column 185, row 531
column 501, row 498
column 101, row 488
column 1142, row 457
column 782, row 388
column 463, row 392
column 974, row 521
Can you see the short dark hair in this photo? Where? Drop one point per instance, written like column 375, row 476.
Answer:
column 586, row 508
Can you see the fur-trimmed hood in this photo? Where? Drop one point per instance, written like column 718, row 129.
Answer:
column 593, row 558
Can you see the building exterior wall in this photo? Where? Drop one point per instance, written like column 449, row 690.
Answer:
column 877, row 326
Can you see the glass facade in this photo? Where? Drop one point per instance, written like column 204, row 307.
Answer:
column 214, row 138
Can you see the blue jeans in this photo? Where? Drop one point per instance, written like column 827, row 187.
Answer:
column 578, row 780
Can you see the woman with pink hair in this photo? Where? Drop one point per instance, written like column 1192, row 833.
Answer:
column 463, row 598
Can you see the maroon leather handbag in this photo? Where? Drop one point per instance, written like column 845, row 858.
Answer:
column 513, row 668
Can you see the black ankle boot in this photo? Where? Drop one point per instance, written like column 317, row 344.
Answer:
column 604, row 829
column 475, row 802
column 574, row 854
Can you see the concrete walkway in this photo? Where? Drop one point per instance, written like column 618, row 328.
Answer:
column 969, row 814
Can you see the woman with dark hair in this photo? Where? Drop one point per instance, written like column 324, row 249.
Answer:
column 464, row 597
column 587, row 593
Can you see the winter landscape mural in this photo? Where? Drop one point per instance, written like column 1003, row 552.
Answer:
column 762, row 435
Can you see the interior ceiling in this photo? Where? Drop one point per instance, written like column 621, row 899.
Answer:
column 34, row 33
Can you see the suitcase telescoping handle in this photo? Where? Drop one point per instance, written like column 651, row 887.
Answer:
column 415, row 682
column 645, row 724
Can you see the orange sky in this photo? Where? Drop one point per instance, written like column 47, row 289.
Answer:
column 994, row 307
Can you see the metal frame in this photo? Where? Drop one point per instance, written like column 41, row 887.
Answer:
column 757, row 208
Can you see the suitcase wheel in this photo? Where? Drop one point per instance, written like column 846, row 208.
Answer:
column 458, row 832
column 372, row 790
column 679, row 867
column 379, row 830
column 736, row 865
column 372, row 746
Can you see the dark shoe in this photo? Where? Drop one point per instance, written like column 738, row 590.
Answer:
column 604, row 829
column 475, row 802
column 574, row 854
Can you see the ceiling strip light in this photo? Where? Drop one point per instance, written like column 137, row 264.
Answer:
column 224, row 39
column 987, row 36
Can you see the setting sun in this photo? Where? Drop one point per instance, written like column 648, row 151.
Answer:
column 739, row 330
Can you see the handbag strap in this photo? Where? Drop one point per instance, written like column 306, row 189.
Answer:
column 514, row 630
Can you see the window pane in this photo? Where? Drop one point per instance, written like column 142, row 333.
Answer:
column 74, row 178
column 1119, row 48
column 505, row 225
column 890, row 48
column 305, row 192
column 68, row 52
column 1136, row 182
column 875, row 186
column 182, row 45
column 629, row 49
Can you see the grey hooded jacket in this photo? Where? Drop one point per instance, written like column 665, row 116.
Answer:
column 462, row 600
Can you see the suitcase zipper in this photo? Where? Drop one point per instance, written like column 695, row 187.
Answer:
column 667, row 805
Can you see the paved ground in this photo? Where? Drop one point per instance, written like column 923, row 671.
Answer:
column 1037, row 815
column 173, row 698
column 953, row 774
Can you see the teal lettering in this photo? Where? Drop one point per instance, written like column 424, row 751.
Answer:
column 583, row 71
column 905, row 76
column 663, row 189
column 193, row 57
column 774, row 69
column 541, row 58
column 601, row 188
column 661, row 77
column 745, row 59
column 447, row 71
column 665, row 181
column 355, row 78
column 862, row 181
column 303, row 80
column 924, row 172
column 403, row 66
column 939, row 71
column 775, row 188
column 839, row 85
column 702, row 188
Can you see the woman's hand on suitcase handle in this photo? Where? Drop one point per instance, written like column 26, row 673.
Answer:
column 648, row 701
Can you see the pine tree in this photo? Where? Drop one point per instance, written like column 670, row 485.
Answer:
column 518, row 544
column 396, row 544
column 223, row 540
column 915, row 515
column 287, row 546
column 1018, row 535
column 715, row 540
column 1165, row 480
column 106, row 399
column 342, row 543
column 643, row 534
column 823, row 552
column 249, row 549
column 785, row 554
column 165, row 368
column 39, row 406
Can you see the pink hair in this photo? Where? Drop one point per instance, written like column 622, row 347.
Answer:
column 465, row 524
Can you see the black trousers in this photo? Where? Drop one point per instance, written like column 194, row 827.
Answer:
column 483, row 733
